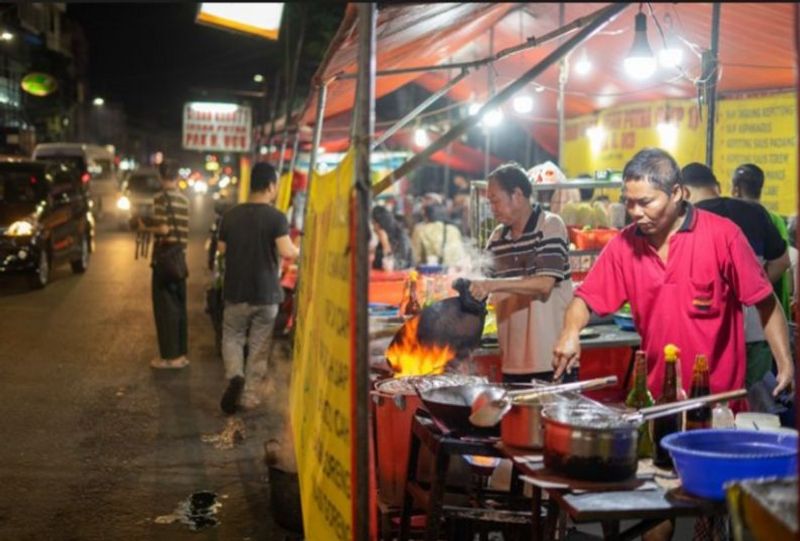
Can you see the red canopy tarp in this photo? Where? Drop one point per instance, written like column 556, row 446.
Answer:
column 756, row 52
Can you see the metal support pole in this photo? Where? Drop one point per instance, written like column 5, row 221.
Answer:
column 711, row 85
column 316, row 140
column 563, row 74
column 364, row 129
column 600, row 19
column 487, row 130
column 419, row 108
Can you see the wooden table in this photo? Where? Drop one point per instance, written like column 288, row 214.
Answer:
column 608, row 504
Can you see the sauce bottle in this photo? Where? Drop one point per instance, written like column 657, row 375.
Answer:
column 700, row 417
column 640, row 397
column 412, row 307
column 663, row 426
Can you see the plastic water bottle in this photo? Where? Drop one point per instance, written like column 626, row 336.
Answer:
column 722, row 416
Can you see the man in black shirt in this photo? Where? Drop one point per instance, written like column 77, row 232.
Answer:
column 702, row 189
column 253, row 235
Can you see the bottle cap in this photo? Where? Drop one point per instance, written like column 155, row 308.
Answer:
column 700, row 362
column 671, row 353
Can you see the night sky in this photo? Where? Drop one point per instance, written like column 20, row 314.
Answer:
column 148, row 57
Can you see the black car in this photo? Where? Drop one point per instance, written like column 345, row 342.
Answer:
column 45, row 219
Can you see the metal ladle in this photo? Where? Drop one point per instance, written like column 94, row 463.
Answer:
column 491, row 405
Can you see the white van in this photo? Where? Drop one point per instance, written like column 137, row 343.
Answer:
column 95, row 163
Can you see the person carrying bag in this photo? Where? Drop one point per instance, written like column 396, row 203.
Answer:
column 168, row 284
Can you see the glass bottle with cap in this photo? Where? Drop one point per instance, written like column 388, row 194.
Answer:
column 663, row 426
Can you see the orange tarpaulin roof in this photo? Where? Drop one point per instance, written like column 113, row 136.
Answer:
column 756, row 53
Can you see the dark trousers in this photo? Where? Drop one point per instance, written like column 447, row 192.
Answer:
column 169, row 309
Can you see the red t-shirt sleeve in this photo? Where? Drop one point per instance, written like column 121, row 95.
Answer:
column 603, row 289
column 744, row 273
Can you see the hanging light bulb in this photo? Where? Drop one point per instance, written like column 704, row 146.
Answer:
column 421, row 138
column 523, row 104
column 597, row 136
column 474, row 108
column 492, row 118
column 583, row 66
column 640, row 62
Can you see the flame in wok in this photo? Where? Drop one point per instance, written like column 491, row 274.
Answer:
column 408, row 357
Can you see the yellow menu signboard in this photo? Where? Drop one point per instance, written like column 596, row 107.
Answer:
column 321, row 385
column 754, row 130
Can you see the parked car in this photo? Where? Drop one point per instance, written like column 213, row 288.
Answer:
column 136, row 196
column 45, row 219
column 96, row 165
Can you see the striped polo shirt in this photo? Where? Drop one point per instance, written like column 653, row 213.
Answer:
column 179, row 230
column 527, row 329
column 542, row 248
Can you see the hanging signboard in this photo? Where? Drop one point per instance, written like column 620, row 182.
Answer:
column 39, row 84
column 321, row 393
column 260, row 19
column 761, row 130
column 222, row 127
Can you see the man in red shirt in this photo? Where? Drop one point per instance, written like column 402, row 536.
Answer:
column 686, row 273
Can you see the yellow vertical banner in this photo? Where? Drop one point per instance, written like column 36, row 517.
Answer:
column 244, row 178
column 284, row 192
column 321, row 387
column 761, row 130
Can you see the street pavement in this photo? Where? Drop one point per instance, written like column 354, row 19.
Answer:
column 95, row 444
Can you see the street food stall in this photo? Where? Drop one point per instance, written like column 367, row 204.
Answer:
column 414, row 416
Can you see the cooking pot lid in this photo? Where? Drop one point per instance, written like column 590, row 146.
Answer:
column 593, row 417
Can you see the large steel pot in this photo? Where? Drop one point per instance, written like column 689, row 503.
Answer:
column 395, row 402
column 600, row 444
column 523, row 425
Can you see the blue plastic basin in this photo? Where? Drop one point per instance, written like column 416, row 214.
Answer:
column 624, row 322
column 707, row 459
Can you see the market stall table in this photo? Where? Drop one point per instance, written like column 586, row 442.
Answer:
column 643, row 499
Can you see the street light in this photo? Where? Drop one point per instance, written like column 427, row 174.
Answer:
column 5, row 35
column 98, row 102
column 258, row 78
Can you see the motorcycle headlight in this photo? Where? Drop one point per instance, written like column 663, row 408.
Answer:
column 20, row 228
column 123, row 203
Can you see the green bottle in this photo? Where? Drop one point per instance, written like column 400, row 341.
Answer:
column 639, row 397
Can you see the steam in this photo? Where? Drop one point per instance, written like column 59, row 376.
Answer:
column 476, row 263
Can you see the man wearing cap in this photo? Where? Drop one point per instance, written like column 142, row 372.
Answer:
column 686, row 273
column 702, row 190
column 747, row 183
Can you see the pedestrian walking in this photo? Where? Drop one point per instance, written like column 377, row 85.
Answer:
column 170, row 226
column 252, row 236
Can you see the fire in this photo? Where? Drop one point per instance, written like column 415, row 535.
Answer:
column 408, row 357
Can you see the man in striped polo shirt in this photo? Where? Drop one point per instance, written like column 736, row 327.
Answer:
column 531, row 285
column 170, row 224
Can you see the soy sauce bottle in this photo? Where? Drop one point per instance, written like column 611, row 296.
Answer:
column 663, row 426
column 700, row 417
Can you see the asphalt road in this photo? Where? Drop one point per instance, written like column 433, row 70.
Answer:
column 95, row 444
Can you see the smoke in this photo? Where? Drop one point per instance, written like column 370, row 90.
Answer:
column 476, row 263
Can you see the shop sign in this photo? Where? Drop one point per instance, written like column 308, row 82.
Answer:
column 259, row 19
column 39, row 84
column 761, row 130
column 224, row 127
column 321, row 379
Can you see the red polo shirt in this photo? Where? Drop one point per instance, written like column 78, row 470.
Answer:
column 693, row 301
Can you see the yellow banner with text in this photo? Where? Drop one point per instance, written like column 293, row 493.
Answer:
column 760, row 130
column 283, row 200
column 321, row 385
